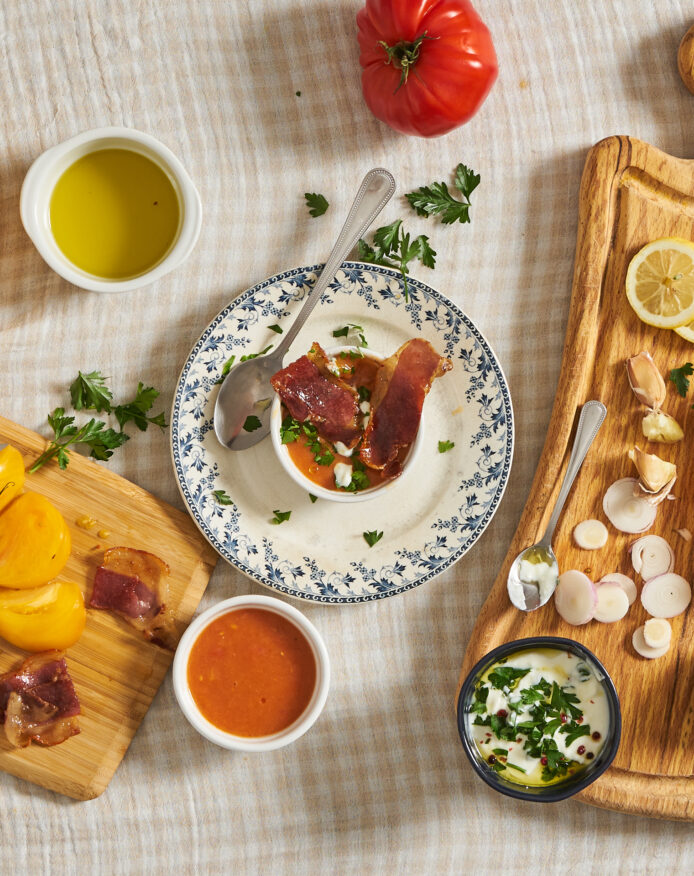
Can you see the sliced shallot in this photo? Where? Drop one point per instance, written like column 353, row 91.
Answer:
column 626, row 512
column 666, row 596
column 624, row 581
column 657, row 632
column 613, row 603
column 590, row 534
column 685, row 534
column 575, row 597
column 644, row 650
column 651, row 556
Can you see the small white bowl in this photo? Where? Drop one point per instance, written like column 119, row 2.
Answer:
column 310, row 486
column 254, row 743
column 44, row 173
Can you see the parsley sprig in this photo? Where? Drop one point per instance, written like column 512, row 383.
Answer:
column 89, row 391
column 101, row 440
column 436, row 199
column 393, row 248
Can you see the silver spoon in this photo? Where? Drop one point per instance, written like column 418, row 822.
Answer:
column 247, row 391
column 525, row 592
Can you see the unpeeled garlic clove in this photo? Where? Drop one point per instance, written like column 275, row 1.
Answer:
column 654, row 472
column 646, row 381
column 661, row 427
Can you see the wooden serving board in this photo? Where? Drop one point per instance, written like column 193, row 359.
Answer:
column 116, row 672
column 631, row 193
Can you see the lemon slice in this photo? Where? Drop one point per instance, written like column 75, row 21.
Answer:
column 660, row 283
column 686, row 332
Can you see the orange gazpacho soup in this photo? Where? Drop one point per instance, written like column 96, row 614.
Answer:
column 251, row 672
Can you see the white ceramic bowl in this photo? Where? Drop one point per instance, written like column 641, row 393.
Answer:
column 44, row 173
column 256, row 743
column 310, row 486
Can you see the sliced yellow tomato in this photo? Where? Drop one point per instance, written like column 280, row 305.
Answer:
column 11, row 475
column 43, row 619
column 660, row 282
column 34, row 542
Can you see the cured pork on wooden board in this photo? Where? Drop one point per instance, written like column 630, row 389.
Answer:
column 116, row 672
column 631, row 193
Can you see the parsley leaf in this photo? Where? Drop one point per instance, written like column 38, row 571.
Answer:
column 276, row 328
column 437, row 199
column 446, row 445
column 506, row 676
column 222, row 497
column 280, row 516
column 289, row 430
column 255, row 355
column 680, row 377
column 136, row 410
column 312, row 498
column 372, row 537
column 574, row 731
column 226, row 368
column 393, row 248
column 350, row 328
column 252, row 423
column 94, row 434
column 90, row 391
column 317, row 205
column 364, row 393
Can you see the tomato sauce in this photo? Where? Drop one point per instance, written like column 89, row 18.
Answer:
column 251, row 672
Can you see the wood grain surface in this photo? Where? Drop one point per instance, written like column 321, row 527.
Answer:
column 631, row 193
column 115, row 671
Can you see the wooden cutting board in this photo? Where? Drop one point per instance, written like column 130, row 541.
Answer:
column 115, row 671
column 631, row 193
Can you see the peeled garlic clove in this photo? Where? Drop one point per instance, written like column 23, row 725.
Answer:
column 661, row 427
column 654, row 472
column 646, row 381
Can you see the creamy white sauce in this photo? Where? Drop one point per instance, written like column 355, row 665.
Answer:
column 343, row 474
column 342, row 449
column 553, row 666
column 542, row 574
column 365, row 407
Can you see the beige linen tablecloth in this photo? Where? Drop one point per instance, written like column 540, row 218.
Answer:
column 380, row 784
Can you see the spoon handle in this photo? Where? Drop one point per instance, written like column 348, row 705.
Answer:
column 592, row 415
column 374, row 193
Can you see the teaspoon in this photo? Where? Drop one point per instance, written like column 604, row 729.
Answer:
column 529, row 588
column 246, row 390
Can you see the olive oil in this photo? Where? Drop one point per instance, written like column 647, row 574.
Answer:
column 114, row 213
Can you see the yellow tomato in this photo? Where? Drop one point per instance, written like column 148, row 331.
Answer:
column 43, row 619
column 34, row 542
column 11, row 474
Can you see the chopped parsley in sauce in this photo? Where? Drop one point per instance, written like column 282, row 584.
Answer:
column 538, row 716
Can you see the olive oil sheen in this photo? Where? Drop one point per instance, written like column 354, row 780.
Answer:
column 114, row 213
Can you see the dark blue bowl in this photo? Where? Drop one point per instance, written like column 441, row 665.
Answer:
column 572, row 784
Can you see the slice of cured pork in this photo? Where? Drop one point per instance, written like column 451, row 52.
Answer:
column 38, row 702
column 312, row 389
column 397, row 400
column 134, row 585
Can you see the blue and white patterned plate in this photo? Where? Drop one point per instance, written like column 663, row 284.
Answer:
column 429, row 519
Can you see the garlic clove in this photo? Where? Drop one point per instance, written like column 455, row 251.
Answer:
column 657, row 497
column 662, row 428
column 646, row 381
column 654, row 472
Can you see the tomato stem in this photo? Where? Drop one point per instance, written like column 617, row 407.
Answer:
column 404, row 55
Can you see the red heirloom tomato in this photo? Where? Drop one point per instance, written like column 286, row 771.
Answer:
column 427, row 64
